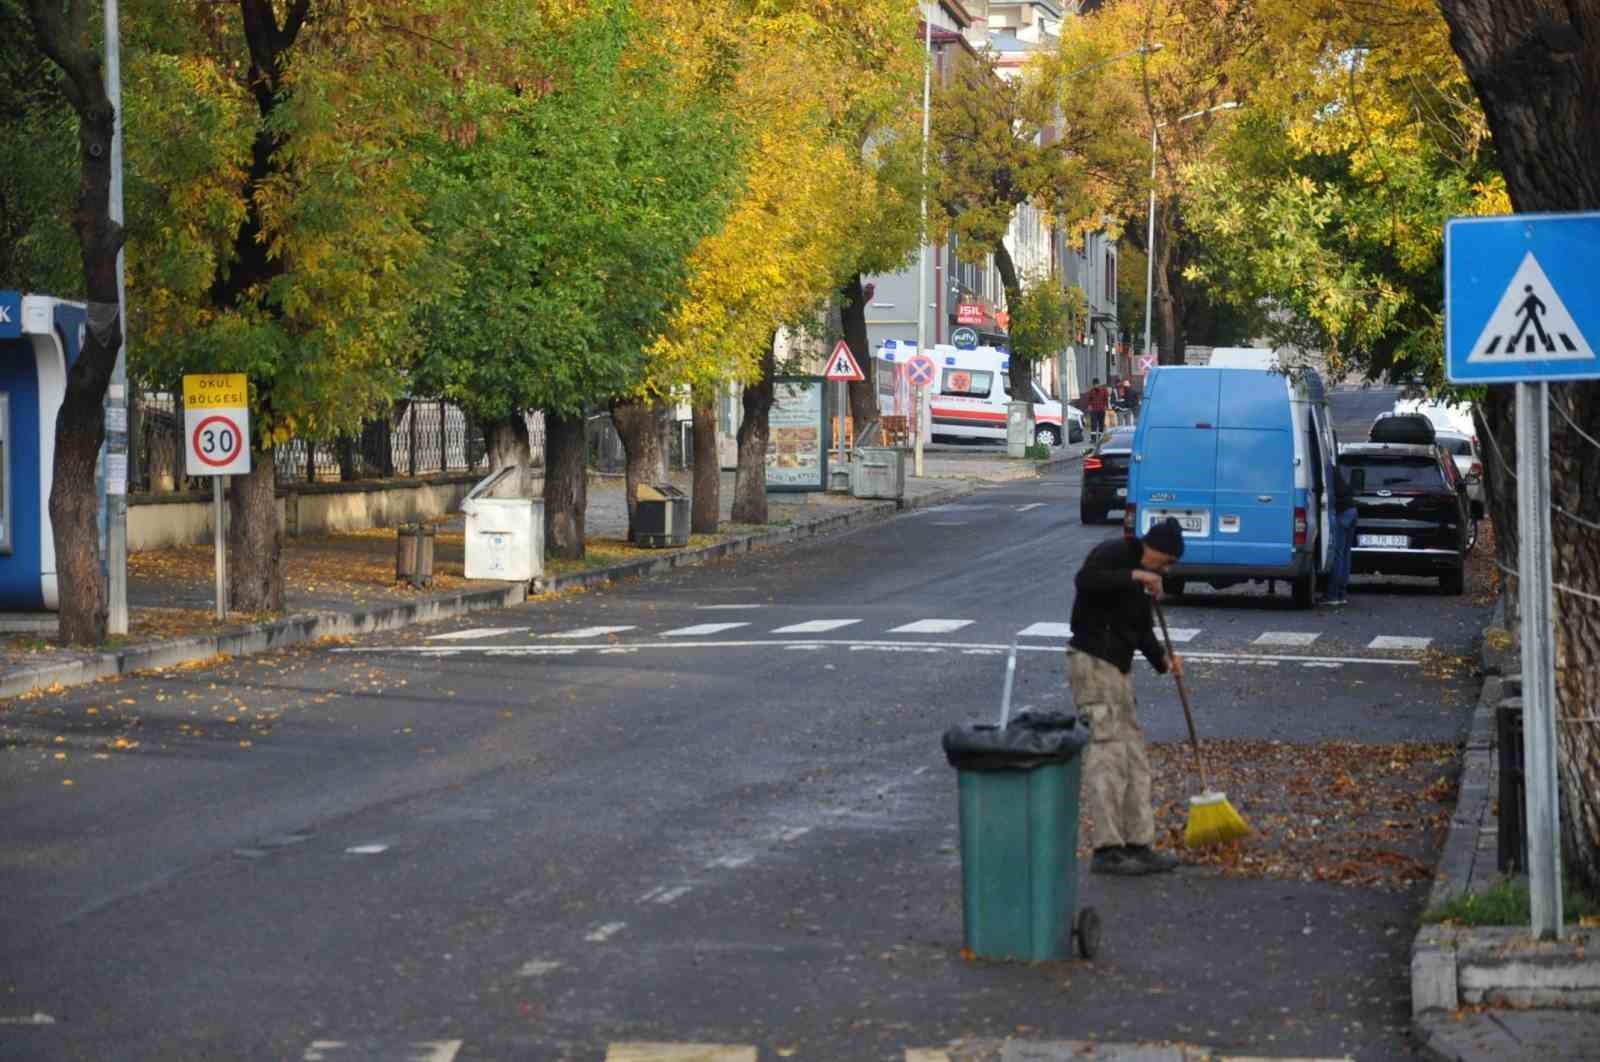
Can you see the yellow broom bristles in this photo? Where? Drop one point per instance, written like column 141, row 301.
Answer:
column 1213, row 821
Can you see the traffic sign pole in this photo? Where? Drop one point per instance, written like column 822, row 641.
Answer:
column 1538, row 658
column 219, row 526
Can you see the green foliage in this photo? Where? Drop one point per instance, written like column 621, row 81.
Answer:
column 1036, row 452
column 1508, row 903
column 567, row 223
column 38, row 158
column 1044, row 319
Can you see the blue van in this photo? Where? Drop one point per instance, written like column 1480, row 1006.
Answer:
column 1242, row 458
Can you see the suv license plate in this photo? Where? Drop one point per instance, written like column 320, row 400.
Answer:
column 1384, row 541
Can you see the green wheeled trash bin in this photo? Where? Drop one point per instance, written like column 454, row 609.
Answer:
column 1019, row 788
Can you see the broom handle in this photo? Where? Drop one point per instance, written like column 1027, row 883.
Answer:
column 1183, row 695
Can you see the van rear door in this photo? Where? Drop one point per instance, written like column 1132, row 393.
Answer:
column 1255, row 472
column 1177, row 456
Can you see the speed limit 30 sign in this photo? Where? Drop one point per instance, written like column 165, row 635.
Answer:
column 216, row 424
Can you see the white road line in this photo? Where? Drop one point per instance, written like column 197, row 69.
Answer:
column 1025, row 508
column 889, row 646
column 931, row 626
column 475, row 632
column 590, row 632
column 1295, row 638
column 1046, row 630
column 537, row 967
column 416, row 1051
column 1184, row 634
column 701, row 629
column 38, row 1017
column 367, row 849
column 1390, row 641
column 794, row 833
column 603, row 933
column 666, row 894
column 645, row 1052
column 815, row 626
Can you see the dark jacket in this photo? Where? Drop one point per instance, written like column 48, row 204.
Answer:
column 1111, row 615
column 1344, row 494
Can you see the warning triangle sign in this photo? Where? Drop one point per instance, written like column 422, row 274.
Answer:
column 1530, row 323
column 842, row 364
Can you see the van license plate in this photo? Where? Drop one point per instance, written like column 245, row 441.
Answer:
column 1192, row 523
column 1384, row 541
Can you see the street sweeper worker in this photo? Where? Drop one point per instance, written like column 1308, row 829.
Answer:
column 1111, row 617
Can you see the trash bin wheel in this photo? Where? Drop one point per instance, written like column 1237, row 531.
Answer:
column 1086, row 927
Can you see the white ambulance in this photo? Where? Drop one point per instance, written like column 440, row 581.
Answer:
column 970, row 394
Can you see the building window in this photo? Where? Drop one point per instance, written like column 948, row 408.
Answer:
column 1111, row 277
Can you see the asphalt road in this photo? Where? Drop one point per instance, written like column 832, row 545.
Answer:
column 708, row 808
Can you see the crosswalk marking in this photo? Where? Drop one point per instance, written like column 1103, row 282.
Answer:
column 1046, row 630
column 1183, row 634
column 1026, row 508
column 591, row 632
column 644, row 1052
column 1389, row 641
column 415, row 1051
column 600, row 934
column 815, row 626
column 702, row 629
column 931, row 626
column 475, row 632
column 1296, row 638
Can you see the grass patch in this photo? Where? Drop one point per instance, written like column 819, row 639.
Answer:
column 1508, row 903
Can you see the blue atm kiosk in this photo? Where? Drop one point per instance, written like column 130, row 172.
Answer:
column 39, row 338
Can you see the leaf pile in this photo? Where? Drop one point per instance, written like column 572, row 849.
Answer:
column 1340, row 812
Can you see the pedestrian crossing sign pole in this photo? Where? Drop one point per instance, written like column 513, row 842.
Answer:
column 1521, row 307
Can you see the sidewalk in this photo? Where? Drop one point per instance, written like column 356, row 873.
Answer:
column 1493, row 993
column 343, row 585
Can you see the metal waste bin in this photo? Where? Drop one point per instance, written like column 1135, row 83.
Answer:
column 1019, row 792
column 413, row 555
column 880, row 473
column 505, row 535
column 662, row 516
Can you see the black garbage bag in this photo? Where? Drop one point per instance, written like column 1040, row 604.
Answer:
column 1030, row 739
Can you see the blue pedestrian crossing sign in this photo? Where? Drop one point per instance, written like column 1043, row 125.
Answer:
column 1522, row 298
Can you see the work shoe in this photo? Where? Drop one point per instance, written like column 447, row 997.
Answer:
column 1152, row 861
column 1116, row 861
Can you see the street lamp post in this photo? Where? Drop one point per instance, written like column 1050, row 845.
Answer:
column 1150, row 240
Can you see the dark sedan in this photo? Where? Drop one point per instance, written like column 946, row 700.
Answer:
column 1105, row 475
column 1412, row 512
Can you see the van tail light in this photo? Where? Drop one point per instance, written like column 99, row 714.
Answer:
column 1301, row 527
column 1476, row 469
column 1092, row 464
column 1129, row 523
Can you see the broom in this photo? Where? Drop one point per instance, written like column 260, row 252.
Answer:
column 1212, row 819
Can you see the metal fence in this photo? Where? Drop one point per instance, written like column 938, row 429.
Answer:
column 419, row 437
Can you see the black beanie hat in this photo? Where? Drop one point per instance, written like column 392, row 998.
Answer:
column 1167, row 537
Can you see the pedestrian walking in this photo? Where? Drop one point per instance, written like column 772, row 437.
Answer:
column 1342, row 533
column 1094, row 404
column 1111, row 617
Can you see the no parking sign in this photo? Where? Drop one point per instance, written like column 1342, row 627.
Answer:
column 216, row 424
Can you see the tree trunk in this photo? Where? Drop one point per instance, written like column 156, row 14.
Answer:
column 566, row 484
column 706, row 505
column 63, row 34
column 750, row 482
column 1534, row 73
column 639, row 426
column 853, row 318
column 507, row 443
column 1166, row 312
column 1021, row 374
column 255, row 546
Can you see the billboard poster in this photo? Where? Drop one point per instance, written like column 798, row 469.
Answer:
column 798, row 434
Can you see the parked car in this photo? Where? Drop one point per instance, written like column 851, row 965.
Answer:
column 1444, row 417
column 1105, row 475
column 1403, row 428
column 1412, row 512
column 1463, row 450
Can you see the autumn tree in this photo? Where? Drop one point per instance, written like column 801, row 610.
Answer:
column 571, row 213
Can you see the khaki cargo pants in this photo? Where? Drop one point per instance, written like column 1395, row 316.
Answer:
column 1116, row 773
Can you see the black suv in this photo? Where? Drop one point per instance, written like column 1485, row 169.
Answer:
column 1105, row 475
column 1412, row 512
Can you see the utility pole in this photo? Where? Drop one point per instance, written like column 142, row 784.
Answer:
column 116, row 401
column 922, row 266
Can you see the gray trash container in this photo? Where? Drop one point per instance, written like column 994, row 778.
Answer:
column 880, row 473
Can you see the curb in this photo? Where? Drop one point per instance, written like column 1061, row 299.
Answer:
column 1454, row 966
column 312, row 626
